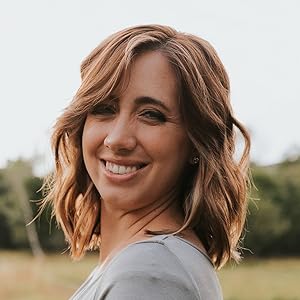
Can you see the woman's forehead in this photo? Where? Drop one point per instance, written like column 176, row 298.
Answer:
column 151, row 75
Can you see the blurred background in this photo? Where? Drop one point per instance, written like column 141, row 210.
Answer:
column 42, row 45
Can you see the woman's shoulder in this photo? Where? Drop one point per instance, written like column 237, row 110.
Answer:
column 166, row 261
column 143, row 254
column 162, row 248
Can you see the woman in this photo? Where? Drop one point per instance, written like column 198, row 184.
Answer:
column 145, row 167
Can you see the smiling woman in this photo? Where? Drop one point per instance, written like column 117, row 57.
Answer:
column 145, row 168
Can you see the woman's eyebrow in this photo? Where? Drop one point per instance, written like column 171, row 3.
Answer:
column 149, row 100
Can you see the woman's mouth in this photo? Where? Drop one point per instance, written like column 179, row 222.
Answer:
column 120, row 169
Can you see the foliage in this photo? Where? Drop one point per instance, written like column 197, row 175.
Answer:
column 14, row 233
column 274, row 211
column 50, row 237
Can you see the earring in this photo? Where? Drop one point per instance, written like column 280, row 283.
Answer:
column 195, row 160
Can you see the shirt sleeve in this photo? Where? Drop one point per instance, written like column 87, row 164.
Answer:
column 143, row 286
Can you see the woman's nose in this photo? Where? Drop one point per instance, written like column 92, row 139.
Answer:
column 120, row 137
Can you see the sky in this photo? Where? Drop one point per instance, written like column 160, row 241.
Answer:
column 43, row 43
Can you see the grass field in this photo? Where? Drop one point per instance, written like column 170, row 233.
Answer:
column 276, row 279
column 57, row 277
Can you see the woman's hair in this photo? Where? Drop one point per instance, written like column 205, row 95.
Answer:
column 214, row 199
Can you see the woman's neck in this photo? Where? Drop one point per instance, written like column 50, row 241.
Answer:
column 119, row 229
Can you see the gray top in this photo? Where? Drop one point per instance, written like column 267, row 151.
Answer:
column 161, row 267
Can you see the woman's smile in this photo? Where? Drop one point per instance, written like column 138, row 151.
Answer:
column 121, row 172
column 119, row 169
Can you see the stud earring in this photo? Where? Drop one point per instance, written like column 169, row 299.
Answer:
column 195, row 160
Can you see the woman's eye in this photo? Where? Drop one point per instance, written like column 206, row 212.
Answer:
column 104, row 110
column 153, row 115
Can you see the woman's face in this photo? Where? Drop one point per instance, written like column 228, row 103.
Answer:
column 135, row 146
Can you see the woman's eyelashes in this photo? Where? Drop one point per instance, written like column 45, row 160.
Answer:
column 153, row 115
column 104, row 110
column 109, row 110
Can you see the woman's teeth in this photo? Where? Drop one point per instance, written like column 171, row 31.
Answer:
column 118, row 169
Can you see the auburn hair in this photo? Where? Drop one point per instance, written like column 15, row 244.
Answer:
column 214, row 200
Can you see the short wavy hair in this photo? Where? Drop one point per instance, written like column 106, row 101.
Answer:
column 214, row 199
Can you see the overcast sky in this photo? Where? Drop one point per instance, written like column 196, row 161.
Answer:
column 43, row 43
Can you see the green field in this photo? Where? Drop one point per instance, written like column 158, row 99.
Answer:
column 57, row 277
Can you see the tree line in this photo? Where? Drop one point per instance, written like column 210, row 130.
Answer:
column 272, row 227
